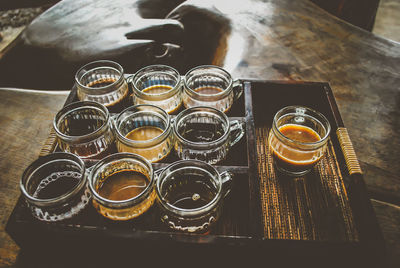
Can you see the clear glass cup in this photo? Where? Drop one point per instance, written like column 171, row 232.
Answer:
column 84, row 128
column 211, row 86
column 104, row 82
column 190, row 195
column 122, row 186
column 298, row 139
column 55, row 187
column 145, row 130
column 205, row 134
column 158, row 85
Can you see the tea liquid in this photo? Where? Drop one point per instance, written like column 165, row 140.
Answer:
column 83, row 126
column 123, row 185
column 190, row 192
column 116, row 105
column 293, row 159
column 153, row 153
column 208, row 90
column 202, row 131
column 57, row 184
column 144, row 133
column 102, row 82
column 157, row 89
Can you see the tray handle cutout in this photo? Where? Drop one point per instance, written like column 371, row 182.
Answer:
column 50, row 143
column 348, row 151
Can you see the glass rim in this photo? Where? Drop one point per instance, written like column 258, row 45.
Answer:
column 144, row 143
column 219, row 95
column 107, row 64
column 314, row 114
column 120, row 203
column 45, row 161
column 190, row 164
column 150, row 96
column 207, row 109
column 75, row 106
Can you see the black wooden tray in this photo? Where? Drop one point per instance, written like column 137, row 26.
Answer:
column 324, row 218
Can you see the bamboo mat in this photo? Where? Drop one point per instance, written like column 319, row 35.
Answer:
column 313, row 207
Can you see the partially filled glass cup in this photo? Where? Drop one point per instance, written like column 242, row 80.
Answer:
column 190, row 194
column 145, row 130
column 206, row 134
column 122, row 186
column 55, row 187
column 104, row 82
column 212, row 86
column 158, row 85
column 298, row 139
column 84, row 128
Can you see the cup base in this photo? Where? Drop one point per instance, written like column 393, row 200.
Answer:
column 291, row 173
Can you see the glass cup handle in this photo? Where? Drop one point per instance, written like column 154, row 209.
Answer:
column 237, row 89
column 226, row 178
column 158, row 172
column 237, row 131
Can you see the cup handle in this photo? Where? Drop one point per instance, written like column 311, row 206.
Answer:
column 237, row 89
column 237, row 131
column 158, row 172
column 226, row 178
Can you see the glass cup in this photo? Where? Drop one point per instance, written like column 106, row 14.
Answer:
column 122, row 186
column 145, row 130
column 55, row 187
column 190, row 194
column 298, row 139
column 84, row 128
column 159, row 85
column 104, row 82
column 205, row 133
column 211, row 86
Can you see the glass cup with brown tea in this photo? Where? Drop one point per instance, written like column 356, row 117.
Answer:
column 122, row 186
column 145, row 130
column 298, row 139
column 209, row 85
column 158, row 85
column 206, row 134
column 104, row 82
column 190, row 194
column 84, row 128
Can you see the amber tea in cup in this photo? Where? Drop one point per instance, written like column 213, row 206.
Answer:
column 84, row 128
column 298, row 139
column 145, row 130
column 122, row 185
column 104, row 82
column 158, row 85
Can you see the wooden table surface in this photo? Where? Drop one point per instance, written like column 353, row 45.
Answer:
column 277, row 40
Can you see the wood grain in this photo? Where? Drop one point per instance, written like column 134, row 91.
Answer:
column 271, row 39
column 25, row 119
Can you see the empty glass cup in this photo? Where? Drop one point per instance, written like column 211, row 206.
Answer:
column 122, row 186
column 55, row 187
column 205, row 133
column 211, row 86
column 104, row 82
column 145, row 130
column 190, row 194
column 159, row 85
column 84, row 128
column 298, row 139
